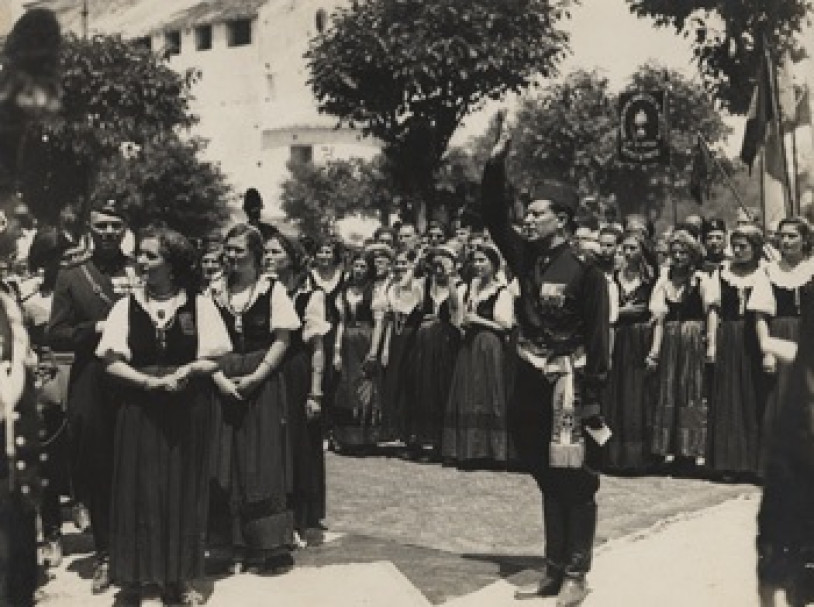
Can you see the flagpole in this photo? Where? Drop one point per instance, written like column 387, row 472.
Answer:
column 778, row 117
column 761, row 167
column 795, row 209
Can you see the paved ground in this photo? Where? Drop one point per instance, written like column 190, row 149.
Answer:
column 417, row 535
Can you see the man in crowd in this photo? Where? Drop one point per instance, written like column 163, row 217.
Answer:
column 714, row 241
column 83, row 296
column 562, row 315
column 253, row 206
column 407, row 236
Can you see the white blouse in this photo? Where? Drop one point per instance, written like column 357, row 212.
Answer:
column 283, row 314
column 665, row 291
column 504, row 304
column 314, row 321
column 213, row 338
column 761, row 298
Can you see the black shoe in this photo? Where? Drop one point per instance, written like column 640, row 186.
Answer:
column 549, row 585
column 181, row 595
column 101, row 576
column 573, row 592
column 130, row 594
column 279, row 564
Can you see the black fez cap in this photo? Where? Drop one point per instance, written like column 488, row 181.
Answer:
column 109, row 206
column 714, row 224
column 558, row 193
column 252, row 199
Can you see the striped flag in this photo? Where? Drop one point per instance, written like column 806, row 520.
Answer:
column 761, row 112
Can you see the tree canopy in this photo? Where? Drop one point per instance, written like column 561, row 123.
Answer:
column 727, row 36
column 569, row 131
column 408, row 71
column 316, row 196
column 116, row 93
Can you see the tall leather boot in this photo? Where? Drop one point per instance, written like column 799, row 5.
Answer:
column 556, row 527
column 581, row 531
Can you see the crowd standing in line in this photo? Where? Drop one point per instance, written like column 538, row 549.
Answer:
column 203, row 383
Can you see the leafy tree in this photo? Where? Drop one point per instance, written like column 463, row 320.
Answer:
column 727, row 37
column 569, row 132
column 317, row 195
column 314, row 197
column 166, row 182
column 115, row 92
column 408, row 71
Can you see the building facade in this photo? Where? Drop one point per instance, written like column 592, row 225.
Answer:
column 256, row 109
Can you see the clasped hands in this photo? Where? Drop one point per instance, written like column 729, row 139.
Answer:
column 178, row 380
column 238, row 387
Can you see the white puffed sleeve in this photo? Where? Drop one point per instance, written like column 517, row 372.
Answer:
column 113, row 343
column 710, row 287
column 213, row 337
column 514, row 288
column 761, row 299
column 283, row 314
column 315, row 321
column 613, row 299
column 658, row 299
column 504, row 309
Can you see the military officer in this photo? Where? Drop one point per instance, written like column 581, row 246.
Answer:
column 83, row 296
column 563, row 357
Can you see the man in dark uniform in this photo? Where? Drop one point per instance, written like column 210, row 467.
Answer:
column 562, row 314
column 714, row 240
column 83, row 297
column 252, row 206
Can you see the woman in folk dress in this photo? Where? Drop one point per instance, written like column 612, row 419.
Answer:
column 252, row 462
column 739, row 389
column 357, row 412
column 475, row 432
column 631, row 389
column 685, row 325
column 160, row 344
column 303, row 367
column 787, row 276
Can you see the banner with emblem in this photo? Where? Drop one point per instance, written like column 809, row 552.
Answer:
column 643, row 127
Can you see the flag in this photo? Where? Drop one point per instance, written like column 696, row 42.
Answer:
column 643, row 129
column 761, row 112
column 786, row 94
column 699, row 177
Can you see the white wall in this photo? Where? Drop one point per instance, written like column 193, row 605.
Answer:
column 254, row 101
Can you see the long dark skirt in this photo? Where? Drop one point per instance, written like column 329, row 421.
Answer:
column 398, row 393
column 789, row 329
column 330, row 381
column 630, row 394
column 161, row 484
column 253, row 469
column 436, row 350
column 736, row 405
column 679, row 424
column 308, row 456
column 357, row 405
column 475, row 419
column 786, row 517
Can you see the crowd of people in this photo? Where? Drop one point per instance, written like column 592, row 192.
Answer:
column 181, row 395
column 206, row 380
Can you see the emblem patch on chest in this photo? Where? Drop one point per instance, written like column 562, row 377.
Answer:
column 552, row 295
